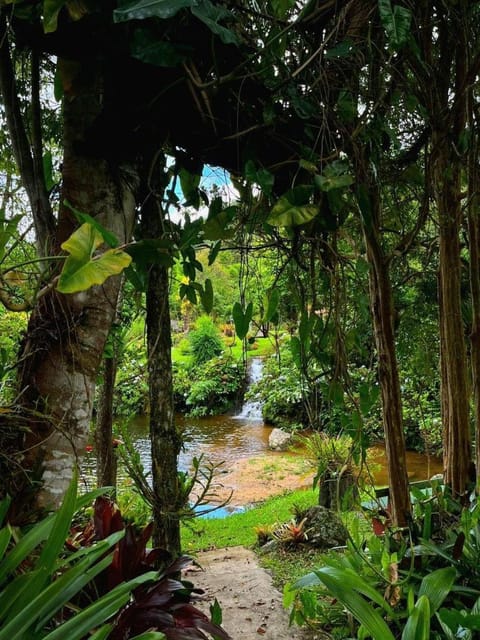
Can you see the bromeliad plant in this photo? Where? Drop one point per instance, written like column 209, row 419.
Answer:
column 105, row 588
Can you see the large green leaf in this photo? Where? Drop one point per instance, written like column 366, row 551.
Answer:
column 147, row 47
column 437, row 585
column 5, row 536
column 329, row 182
column 25, row 546
column 293, row 208
column 206, row 296
column 108, row 237
column 212, row 15
column 143, row 9
column 262, row 177
column 344, row 588
column 216, row 226
column 273, row 299
column 51, row 9
column 147, row 252
column 418, row 623
column 351, row 581
column 7, row 230
column 46, row 563
column 102, row 633
column 458, row 624
column 396, row 22
column 81, row 269
column 43, row 606
column 60, row 529
column 99, row 611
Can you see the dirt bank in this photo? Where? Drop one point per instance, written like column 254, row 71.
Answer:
column 251, row 480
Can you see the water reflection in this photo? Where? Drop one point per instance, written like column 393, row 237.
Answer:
column 419, row 466
column 219, row 438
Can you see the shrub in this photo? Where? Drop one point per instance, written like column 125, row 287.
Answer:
column 205, row 341
column 215, row 388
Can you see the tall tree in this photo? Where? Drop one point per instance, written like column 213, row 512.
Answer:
column 444, row 66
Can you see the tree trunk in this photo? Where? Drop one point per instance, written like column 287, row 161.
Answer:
column 383, row 312
column 455, row 400
column 105, row 450
column 66, row 333
column 474, row 245
column 165, row 440
column 381, row 302
column 105, row 454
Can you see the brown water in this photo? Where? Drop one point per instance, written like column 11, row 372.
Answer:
column 228, row 439
column 419, row 466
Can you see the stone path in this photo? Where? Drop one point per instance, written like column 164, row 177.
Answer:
column 251, row 606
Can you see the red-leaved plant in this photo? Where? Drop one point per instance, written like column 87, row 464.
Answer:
column 163, row 604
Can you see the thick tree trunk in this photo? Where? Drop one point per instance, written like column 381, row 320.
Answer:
column 66, row 333
column 455, row 398
column 474, row 245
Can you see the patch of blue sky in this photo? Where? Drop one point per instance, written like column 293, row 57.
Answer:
column 215, row 181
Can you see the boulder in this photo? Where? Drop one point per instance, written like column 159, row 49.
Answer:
column 324, row 528
column 280, row 440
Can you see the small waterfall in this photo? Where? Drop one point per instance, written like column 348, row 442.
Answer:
column 251, row 409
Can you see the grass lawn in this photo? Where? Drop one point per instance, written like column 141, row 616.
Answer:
column 233, row 348
column 239, row 528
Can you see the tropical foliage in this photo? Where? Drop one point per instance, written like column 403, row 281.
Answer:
column 58, row 579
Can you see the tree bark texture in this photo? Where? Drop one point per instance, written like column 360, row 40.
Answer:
column 381, row 301
column 474, row 246
column 455, row 397
column 383, row 313
column 165, row 439
column 67, row 333
column 106, row 461
column 105, row 450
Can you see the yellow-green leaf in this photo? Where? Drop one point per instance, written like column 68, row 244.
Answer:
column 81, row 269
column 294, row 208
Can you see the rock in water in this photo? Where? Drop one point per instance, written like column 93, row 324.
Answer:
column 279, row 440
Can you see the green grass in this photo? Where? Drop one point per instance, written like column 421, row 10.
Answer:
column 285, row 565
column 239, row 529
column 233, row 348
column 260, row 348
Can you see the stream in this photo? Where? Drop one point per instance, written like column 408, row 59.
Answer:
column 230, row 438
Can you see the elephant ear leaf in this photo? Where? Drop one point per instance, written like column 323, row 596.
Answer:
column 242, row 319
column 82, row 269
